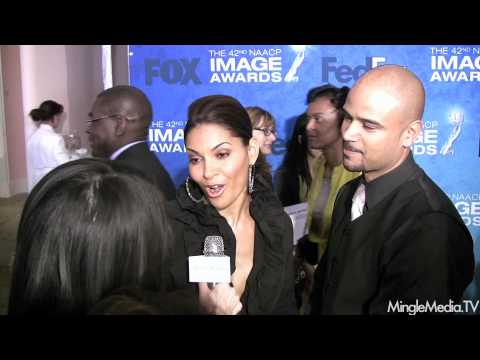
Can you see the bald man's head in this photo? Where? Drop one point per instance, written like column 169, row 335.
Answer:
column 384, row 112
column 127, row 101
column 395, row 86
column 119, row 116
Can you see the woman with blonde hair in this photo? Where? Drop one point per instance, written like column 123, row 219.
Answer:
column 264, row 132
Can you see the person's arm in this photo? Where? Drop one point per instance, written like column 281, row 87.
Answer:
column 177, row 260
column 431, row 261
column 165, row 183
column 60, row 152
column 286, row 304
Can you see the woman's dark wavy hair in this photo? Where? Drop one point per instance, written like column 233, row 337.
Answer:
column 90, row 226
column 226, row 111
column 294, row 164
column 47, row 110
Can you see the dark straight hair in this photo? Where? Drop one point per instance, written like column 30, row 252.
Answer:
column 88, row 227
column 294, row 164
column 222, row 110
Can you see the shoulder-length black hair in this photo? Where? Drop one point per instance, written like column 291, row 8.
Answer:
column 88, row 227
column 294, row 165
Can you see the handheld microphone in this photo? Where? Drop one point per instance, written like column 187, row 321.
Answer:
column 213, row 246
column 213, row 266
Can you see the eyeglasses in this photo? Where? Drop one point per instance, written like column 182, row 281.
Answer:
column 266, row 131
column 320, row 117
column 91, row 121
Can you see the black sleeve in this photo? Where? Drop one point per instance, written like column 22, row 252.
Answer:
column 177, row 263
column 165, row 183
column 286, row 304
column 320, row 275
column 431, row 262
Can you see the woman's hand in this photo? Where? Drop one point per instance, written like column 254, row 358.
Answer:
column 309, row 277
column 221, row 300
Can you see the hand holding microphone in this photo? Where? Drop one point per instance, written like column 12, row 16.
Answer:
column 213, row 267
column 219, row 300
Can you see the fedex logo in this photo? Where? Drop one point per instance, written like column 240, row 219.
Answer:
column 345, row 73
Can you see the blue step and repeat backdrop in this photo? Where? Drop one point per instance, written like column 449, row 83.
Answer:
column 277, row 78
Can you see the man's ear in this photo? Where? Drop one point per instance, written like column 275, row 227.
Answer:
column 412, row 132
column 121, row 126
column 253, row 151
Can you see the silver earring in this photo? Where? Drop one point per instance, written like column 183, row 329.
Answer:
column 189, row 194
column 251, row 178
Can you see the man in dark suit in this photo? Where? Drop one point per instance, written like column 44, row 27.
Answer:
column 396, row 239
column 118, row 129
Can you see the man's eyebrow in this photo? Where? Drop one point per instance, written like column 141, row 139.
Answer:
column 214, row 148
column 363, row 120
column 370, row 121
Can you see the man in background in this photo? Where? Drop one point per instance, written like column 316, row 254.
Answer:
column 118, row 128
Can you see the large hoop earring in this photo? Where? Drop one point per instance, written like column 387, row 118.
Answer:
column 251, row 178
column 189, row 194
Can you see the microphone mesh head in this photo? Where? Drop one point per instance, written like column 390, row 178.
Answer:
column 213, row 246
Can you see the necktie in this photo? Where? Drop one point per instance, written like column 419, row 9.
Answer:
column 358, row 201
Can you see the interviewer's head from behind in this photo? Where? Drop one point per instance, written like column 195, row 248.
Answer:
column 88, row 227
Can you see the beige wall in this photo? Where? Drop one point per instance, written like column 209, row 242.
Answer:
column 4, row 173
column 84, row 82
column 68, row 74
column 44, row 76
column 120, row 64
column 12, row 97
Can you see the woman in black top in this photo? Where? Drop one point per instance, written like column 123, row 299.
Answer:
column 225, row 196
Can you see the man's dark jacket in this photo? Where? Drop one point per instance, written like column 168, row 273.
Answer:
column 410, row 247
column 141, row 158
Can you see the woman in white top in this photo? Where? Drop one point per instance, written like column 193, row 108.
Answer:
column 46, row 148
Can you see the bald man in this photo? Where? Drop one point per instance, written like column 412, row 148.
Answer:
column 396, row 239
column 117, row 130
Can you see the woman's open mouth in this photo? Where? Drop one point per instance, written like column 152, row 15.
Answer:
column 214, row 191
